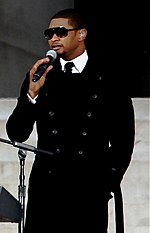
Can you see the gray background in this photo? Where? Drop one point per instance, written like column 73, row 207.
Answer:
column 116, row 30
column 21, row 38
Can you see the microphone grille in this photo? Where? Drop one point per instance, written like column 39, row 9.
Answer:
column 51, row 53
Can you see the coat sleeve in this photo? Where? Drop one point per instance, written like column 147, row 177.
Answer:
column 122, row 136
column 19, row 124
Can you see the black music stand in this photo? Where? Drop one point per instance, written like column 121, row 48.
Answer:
column 22, row 152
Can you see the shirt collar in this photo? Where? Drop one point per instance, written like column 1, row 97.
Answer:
column 79, row 62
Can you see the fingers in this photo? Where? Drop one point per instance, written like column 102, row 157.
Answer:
column 34, row 87
column 37, row 64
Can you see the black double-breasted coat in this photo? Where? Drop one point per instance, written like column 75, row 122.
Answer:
column 88, row 125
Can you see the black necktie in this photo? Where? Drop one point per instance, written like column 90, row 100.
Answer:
column 68, row 67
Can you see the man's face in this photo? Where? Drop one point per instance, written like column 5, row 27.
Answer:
column 67, row 44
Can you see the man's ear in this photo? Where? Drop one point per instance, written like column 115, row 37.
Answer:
column 82, row 34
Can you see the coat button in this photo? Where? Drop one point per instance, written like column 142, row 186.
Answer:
column 89, row 114
column 54, row 131
column 94, row 96
column 57, row 150
column 51, row 113
column 114, row 169
column 84, row 133
column 80, row 152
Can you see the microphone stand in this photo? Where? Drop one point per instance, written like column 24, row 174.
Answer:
column 22, row 152
column 22, row 188
column 25, row 147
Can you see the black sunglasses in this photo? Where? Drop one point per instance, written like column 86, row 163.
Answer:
column 59, row 31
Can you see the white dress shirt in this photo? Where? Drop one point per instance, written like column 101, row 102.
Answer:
column 79, row 62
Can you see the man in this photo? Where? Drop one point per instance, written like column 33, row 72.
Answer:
column 88, row 128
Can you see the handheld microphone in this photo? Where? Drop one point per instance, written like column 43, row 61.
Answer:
column 51, row 54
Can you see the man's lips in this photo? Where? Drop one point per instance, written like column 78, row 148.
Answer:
column 56, row 47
